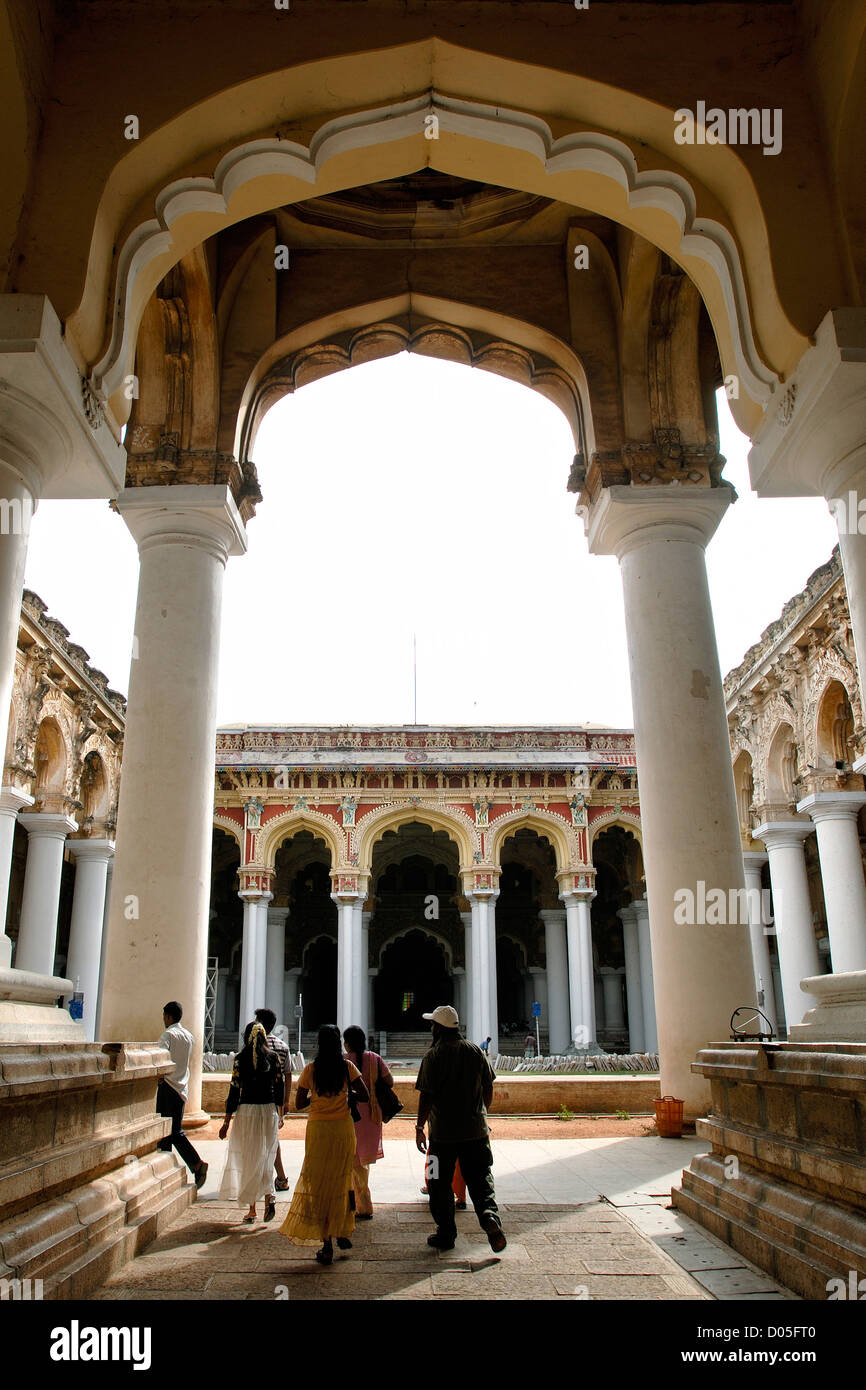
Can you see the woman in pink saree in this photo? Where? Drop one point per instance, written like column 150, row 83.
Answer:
column 368, row 1130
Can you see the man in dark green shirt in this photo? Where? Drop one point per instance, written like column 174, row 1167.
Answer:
column 456, row 1086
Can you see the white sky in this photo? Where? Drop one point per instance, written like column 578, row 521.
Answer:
column 409, row 496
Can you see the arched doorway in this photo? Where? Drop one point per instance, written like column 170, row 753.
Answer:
column 413, row 978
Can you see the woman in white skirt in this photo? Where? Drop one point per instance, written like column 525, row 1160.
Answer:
column 256, row 1099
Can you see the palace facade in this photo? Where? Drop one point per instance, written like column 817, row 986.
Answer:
column 367, row 873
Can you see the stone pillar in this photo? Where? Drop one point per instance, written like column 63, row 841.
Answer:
column 222, row 1021
column 611, row 979
column 11, row 802
column 753, row 862
column 371, row 999
column 559, row 1025
column 85, row 931
column 581, row 974
column 348, row 953
column 37, row 933
column 274, row 996
column 792, row 912
column 158, row 932
column 470, row 1017
column 361, row 981
column 689, row 818
column 484, row 965
column 647, row 978
column 260, row 989
column 835, row 818
column 248, row 1002
column 20, row 486
column 634, row 996
column 109, row 881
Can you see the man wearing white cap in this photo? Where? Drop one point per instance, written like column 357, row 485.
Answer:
column 456, row 1086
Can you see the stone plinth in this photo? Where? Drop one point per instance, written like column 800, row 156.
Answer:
column 29, row 1012
column 514, row 1095
column 82, row 1186
column 785, row 1183
column 840, row 1011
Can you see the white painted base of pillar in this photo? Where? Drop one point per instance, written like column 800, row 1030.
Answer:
column 29, row 1013
column 839, row 1015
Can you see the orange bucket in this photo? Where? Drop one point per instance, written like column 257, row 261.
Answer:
column 669, row 1117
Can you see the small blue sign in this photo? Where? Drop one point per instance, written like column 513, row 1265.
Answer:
column 76, row 1006
column 536, row 1011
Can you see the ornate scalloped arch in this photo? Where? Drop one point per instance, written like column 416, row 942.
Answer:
column 831, row 671
column 52, row 710
column 389, row 817
column 273, row 832
column 433, row 936
column 629, row 820
column 230, row 827
column 590, row 166
column 556, row 828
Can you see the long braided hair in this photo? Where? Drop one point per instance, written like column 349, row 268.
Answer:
column 255, row 1051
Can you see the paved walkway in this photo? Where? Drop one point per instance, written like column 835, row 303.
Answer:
column 585, row 1218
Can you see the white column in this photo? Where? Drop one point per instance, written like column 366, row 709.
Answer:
column 348, row 951
column 470, row 1018
column 361, row 981
column 248, row 1002
column 158, row 927
column 835, row 818
column 647, row 976
column 634, row 995
column 792, row 912
column 19, row 489
column 85, row 931
column 753, row 862
column 559, row 1027
column 611, row 980
column 489, row 1020
column 11, row 802
column 260, row 987
column 581, row 981
column 37, row 932
column 371, row 998
column 276, row 961
column 689, row 815
column 109, row 880
column 222, row 1021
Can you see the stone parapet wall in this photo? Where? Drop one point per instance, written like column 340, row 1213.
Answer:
column 517, row 1095
column 83, row 1187
column 785, row 1183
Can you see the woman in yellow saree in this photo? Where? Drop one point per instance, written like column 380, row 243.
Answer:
column 322, row 1205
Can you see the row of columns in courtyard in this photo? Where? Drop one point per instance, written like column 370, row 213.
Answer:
column 565, row 990
column 48, row 836
column 833, row 819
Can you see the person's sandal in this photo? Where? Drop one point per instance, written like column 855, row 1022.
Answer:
column 343, row 1243
column 249, row 1220
column 282, row 1185
column 270, row 1208
column 325, row 1256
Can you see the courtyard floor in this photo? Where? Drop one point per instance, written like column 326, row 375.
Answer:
column 585, row 1218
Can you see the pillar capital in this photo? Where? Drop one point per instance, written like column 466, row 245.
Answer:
column 101, row 850
column 784, row 834
column 552, row 914
column 48, row 825
column 814, row 429
column 838, row 805
column 255, row 881
column 255, row 895
column 277, row 915
column 577, row 895
column 624, row 518
column 12, row 800
column 198, row 517
column 754, row 859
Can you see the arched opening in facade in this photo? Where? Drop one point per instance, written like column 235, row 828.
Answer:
column 225, row 936
column 414, row 976
column 302, row 907
column 834, row 728
column 619, row 882
column 415, row 927
column 527, row 886
column 50, row 763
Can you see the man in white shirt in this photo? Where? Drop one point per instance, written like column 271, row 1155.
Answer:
column 173, row 1089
